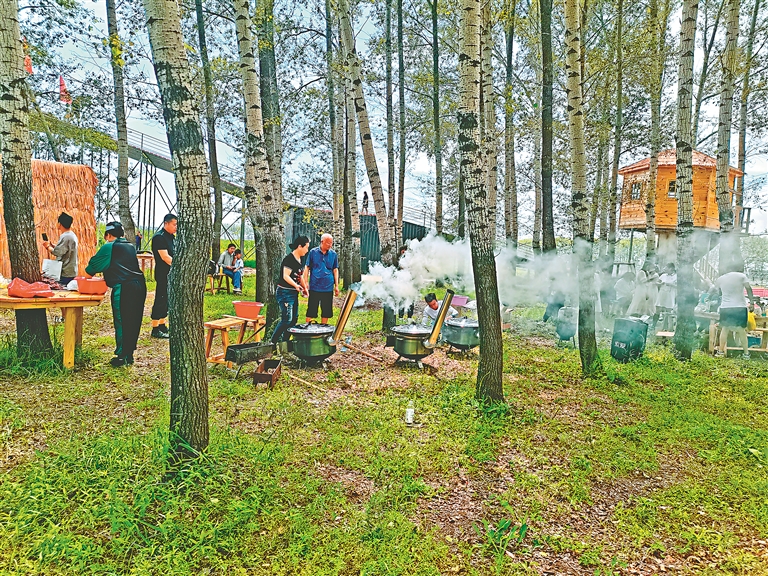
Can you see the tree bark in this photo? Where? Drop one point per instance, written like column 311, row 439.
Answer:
column 488, row 112
column 32, row 337
column 745, row 90
column 337, row 145
column 686, row 297
column 704, row 72
column 481, row 231
column 270, row 98
column 730, row 249
column 658, row 29
column 391, row 193
column 350, row 179
column 263, row 196
column 210, row 128
column 537, row 184
column 613, row 202
column 547, row 216
column 117, row 62
column 189, row 371
column 599, row 192
column 384, row 224
column 510, row 179
column 438, row 145
column 590, row 362
column 402, row 144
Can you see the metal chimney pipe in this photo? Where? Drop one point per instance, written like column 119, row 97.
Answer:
column 431, row 342
column 346, row 310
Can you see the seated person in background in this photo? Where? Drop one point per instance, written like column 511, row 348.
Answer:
column 65, row 250
column 625, row 287
column 433, row 307
column 227, row 265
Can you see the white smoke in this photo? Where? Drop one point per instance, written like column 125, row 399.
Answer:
column 434, row 259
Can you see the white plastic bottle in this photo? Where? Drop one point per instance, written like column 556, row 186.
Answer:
column 409, row 413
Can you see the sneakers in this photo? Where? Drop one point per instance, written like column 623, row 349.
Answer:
column 237, row 291
column 719, row 354
column 160, row 333
column 119, row 361
column 745, row 356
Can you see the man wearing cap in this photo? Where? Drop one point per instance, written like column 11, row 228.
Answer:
column 162, row 248
column 65, row 250
column 117, row 261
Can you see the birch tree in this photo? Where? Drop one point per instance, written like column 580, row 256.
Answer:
column 488, row 110
column 263, row 197
column 582, row 242
column 210, row 128
column 545, row 204
column 481, row 231
column 391, row 193
column 32, row 336
column 402, row 120
column 189, row 369
column 613, row 202
column 438, row 142
column 117, row 62
column 510, row 177
column 729, row 242
column 352, row 64
column 743, row 101
column 686, row 297
column 270, row 100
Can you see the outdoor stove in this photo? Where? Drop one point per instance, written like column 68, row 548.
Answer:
column 314, row 343
column 415, row 342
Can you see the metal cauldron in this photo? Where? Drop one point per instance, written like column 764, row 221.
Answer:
column 310, row 341
column 409, row 341
column 314, row 343
column 461, row 333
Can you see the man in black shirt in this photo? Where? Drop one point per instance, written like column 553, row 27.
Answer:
column 117, row 261
column 162, row 248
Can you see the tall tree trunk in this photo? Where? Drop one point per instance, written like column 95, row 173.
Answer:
column 117, row 62
column 658, row 31
column 386, row 232
column 391, row 193
column 686, row 297
column 547, row 215
column 730, row 249
column 349, row 193
column 189, row 371
column 462, row 208
column 32, row 336
column 351, row 180
column 481, row 231
column 613, row 203
column 210, row 128
column 537, row 185
column 510, row 179
column 704, row 72
column 438, row 146
column 745, row 89
column 599, row 192
column 488, row 111
column 605, row 199
column 270, row 97
column 263, row 197
column 337, row 145
column 402, row 144
column 582, row 243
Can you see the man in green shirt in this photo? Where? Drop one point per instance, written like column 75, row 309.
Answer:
column 116, row 259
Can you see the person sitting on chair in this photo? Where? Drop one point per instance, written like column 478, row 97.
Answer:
column 227, row 265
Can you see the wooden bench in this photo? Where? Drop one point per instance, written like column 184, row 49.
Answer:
column 215, row 283
column 223, row 325
column 256, row 324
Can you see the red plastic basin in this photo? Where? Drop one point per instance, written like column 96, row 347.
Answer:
column 246, row 309
column 91, row 285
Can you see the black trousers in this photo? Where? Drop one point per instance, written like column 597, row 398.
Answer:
column 127, row 313
column 160, row 307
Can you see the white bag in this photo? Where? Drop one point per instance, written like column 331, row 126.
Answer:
column 52, row 269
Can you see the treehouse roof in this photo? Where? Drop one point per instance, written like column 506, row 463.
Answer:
column 669, row 158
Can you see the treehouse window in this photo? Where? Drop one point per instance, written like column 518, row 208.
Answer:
column 634, row 191
column 672, row 190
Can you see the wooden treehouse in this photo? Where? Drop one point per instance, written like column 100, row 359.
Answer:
column 705, row 212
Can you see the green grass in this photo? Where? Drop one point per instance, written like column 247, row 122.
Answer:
column 656, row 459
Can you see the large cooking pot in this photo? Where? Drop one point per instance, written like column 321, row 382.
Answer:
column 461, row 333
column 310, row 342
column 409, row 341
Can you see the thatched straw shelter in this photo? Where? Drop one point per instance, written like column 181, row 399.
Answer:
column 57, row 188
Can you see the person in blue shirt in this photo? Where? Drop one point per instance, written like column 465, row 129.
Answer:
column 322, row 271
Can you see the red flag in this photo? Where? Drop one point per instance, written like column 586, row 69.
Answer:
column 63, row 92
column 28, row 64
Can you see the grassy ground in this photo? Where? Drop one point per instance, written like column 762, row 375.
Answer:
column 656, row 467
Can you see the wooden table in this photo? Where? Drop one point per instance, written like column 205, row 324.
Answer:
column 144, row 259
column 71, row 304
column 714, row 331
